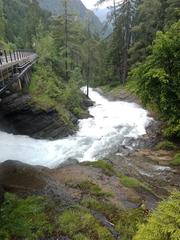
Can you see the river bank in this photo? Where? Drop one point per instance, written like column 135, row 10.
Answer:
column 19, row 114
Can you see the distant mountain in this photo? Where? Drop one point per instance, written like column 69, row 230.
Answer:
column 101, row 13
column 56, row 7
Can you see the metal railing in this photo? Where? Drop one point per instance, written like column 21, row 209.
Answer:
column 13, row 56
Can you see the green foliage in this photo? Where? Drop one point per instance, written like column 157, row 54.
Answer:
column 164, row 221
column 176, row 160
column 157, row 80
column 79, row 224
column 165, row 145
column 72, row 96
column 24, row 218
column 130, row 182
column 104, row 165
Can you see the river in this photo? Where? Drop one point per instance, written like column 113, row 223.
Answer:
column 114, row 123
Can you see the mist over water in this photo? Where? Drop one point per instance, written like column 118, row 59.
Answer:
column 113, row 124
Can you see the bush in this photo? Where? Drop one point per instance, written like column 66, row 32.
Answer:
column 165, row 145
column 23, row 218
column 163, row 224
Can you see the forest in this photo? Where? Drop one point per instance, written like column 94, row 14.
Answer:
column 142, row 56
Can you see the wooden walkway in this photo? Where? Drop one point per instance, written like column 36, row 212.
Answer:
column 15, row 68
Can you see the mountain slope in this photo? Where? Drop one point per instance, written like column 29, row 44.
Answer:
column 56, row 7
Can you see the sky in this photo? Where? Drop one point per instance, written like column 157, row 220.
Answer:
column 90, row 4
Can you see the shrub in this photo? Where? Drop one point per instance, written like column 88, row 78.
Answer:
column 163, row 224
column 23, row 218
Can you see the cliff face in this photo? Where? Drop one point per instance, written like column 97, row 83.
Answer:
column 20, row 116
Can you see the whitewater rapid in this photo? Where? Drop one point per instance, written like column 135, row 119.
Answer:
column 113, row 124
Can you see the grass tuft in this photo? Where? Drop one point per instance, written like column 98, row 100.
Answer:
column 130, row 182
column 176, row 160
column 80, row 224
column 92, row 189
column 165, row 145
column 106, row 167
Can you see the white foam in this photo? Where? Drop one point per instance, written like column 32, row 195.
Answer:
column 113, row 123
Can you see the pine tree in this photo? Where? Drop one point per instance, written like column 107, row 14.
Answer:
column 2, row 21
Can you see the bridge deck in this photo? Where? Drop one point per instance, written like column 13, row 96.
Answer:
column 13, row 67
column 29, row 57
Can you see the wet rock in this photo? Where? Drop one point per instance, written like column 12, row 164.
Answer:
column 25, row 180
column 87, row 102
column 20, row 116
column 68, row 162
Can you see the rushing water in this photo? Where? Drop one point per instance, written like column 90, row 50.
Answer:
column 113, row 124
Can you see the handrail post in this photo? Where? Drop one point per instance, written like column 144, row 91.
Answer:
column 14, row 53
column 5, row 54
column 10, row 56
column 17, row 55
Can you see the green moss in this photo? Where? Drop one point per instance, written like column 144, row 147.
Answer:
column 92, row 189
column 176, row 160
column 130, row 182
column 24, row 218
column 165, row 145
column 79, row 224
column 105, row 166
